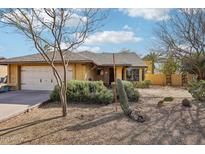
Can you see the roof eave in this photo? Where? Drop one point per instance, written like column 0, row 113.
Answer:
column 42, row 62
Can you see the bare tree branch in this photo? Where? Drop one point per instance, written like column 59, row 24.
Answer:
column 49, row 29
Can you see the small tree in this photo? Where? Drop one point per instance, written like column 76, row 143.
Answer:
column 170, row 66
column 184, row 36
column 154, row 57
column 53, row 33
column 194, row 65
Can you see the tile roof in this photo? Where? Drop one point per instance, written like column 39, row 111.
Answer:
column 38, row 58
column 102, row 59
column 123, row 58
column 1, row 58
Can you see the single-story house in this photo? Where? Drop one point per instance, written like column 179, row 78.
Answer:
column 31, row 72
column 3, row 69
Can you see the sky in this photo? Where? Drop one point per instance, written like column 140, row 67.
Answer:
column 131, row 29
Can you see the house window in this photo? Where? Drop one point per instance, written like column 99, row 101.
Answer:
column 100, row 71
column 132, row 74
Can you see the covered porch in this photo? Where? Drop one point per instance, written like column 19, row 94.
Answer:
column 106, row 73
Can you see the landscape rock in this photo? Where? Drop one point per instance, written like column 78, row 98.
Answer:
column 186, row 103
column 160, row 103
column 138, row 116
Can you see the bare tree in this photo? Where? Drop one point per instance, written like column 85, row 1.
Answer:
column 54, row 32
column 184, row 36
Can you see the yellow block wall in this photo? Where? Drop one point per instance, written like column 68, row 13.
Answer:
column 3, row 70
column 189, row 76
column 176, row 79
column 156, row 79
column 160, row 79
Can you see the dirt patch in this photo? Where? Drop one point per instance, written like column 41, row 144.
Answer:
column 95, row 124
column 157, row 91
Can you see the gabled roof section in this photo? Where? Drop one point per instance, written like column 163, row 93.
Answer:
column 100, row 59
column 38, row 58
column 123, row 58
column 1, row 58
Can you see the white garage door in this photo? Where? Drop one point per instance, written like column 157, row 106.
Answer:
column 40, row 77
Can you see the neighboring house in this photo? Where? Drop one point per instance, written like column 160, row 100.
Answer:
column 3, row 69
column 31, row 72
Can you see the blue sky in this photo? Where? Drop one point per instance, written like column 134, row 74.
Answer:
column 125, row 28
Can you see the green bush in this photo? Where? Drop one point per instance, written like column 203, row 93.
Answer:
column 197, row 89
column 132, row 94
column 85, row 91
column 142, row 84
column 168, row 99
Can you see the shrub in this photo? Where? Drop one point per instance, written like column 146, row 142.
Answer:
column 142, row 84
column 85, row 91
column 132, row 93
column 197, row 89
column 168, row 99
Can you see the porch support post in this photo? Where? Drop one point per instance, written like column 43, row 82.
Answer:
column 140, row 74
column 115, row 88
column 125, row 73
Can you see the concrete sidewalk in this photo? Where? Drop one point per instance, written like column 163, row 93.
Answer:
column 16, row 102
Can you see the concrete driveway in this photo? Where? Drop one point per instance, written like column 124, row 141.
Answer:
column 16, row 102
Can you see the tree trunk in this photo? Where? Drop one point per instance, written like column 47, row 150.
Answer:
column 63, row 99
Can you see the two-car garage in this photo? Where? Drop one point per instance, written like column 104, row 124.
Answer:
column 40, row 77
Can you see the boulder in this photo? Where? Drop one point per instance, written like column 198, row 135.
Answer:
column 186, row 103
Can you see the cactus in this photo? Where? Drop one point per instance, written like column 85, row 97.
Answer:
column 133, row 114
column 123, row 98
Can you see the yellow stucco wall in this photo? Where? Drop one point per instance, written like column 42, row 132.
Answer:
column 80, row 71
column 140, row 74
column 3, row 70
column 14, row 75
column 89, row 72
column 119, row 72
column 149, row 67
column 124, row 73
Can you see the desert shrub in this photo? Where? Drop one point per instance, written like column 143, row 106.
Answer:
column 55, row 94
column 85, row 91
column 132, row 93
column 142, row 84
column 168, row 99
column 197, row 89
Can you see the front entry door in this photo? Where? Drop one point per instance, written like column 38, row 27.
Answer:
column 111, row 75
